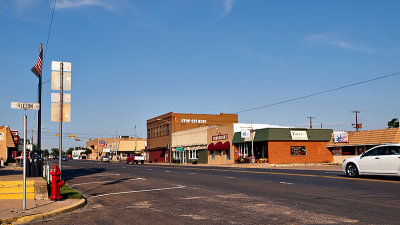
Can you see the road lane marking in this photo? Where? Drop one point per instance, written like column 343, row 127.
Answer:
column 289, row 174
column 137, row 179
column 138, row 191
column 282, row 182
column 229, row 177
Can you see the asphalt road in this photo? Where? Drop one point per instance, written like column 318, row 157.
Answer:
column 118, row 193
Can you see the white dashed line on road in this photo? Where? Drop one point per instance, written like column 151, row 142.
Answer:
column 229, row 177
column 282, row 182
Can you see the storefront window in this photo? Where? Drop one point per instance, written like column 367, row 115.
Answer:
column 298, row 150
column 228, row 155
column 212, row 155
column 193, row 154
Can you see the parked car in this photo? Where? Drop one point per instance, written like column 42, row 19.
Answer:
column 105, row 158
column 380, row 160
column 64, row 158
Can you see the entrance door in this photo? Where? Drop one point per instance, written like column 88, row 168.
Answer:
column 184, row 160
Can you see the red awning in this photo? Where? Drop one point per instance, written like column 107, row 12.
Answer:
column 227, row 145
column 219, row 146
column 211, row 147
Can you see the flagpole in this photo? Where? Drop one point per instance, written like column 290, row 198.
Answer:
column 39, row 137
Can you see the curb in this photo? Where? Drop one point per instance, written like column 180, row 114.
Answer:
column 40, row 216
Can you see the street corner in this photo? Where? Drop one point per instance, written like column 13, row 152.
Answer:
column 42, row 209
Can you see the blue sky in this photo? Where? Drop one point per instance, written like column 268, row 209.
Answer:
column 133, row 60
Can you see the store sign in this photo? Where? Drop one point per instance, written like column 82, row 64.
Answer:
column 299, row 135
column 180, row 149
column 193, row 121
column 340, row 137
column 107, row 150
column 102, row 143
column 220, row 137
column 245, row 134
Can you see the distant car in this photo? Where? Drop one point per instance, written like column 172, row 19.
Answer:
column 105, row 158
column 64, row 158
column 380, row 160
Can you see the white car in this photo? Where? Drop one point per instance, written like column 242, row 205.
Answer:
column 379, row 160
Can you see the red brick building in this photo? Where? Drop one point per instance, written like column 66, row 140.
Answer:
column 160, row 128
column 286, row 145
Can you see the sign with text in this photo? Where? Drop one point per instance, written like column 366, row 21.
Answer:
column 245, row 134
column 55, row 112
column 25, row 105
column 220, row 137
column 299, row 135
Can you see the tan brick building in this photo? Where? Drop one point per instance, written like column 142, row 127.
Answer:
column 7, row 143
column 99, row 144
column 159, row 130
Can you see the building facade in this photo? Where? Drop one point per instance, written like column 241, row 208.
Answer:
column 348, row 144
column 285, row 145
column 160, row 129
column 98, row 145
column 120, row 150
column 7, row 144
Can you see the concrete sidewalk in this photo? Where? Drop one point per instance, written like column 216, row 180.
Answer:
column 11, row 210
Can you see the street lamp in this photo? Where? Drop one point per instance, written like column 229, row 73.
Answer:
column 170, row 134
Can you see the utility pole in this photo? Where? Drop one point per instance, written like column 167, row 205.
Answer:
column 356, row 125
column 135, row 138
column 310, row 117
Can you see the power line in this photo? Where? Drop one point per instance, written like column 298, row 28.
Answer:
column 319, row 93
column 51, row 23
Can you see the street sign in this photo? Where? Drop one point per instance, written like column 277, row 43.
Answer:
column 55, row 97
column 25, row 105
column 180, row 149
column 56, row 65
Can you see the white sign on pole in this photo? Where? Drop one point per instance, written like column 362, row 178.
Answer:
column 25, row 105
column 245, row 134
column 55, row 112
column 56, row 65
column 55, row 97
column 55, row 80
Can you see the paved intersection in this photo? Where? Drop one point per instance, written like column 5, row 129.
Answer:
column 161, row 194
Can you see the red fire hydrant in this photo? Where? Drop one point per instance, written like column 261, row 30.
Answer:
column 57, row 183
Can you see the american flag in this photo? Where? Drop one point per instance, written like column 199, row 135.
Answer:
column 37, row 69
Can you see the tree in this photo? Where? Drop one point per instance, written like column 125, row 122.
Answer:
column 69, row 151
column 393, row 123
column 46, row 153
column 88, row 151
column 55, row 152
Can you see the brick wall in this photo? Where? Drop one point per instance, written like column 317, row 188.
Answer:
column 316, row 152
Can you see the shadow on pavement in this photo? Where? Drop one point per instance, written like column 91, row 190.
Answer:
column 69, row 174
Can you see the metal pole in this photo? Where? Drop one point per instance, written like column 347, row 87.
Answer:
column 135, row 138
column 61, row 114
column 252, row 144
column 39, row 128
column 24, row 179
